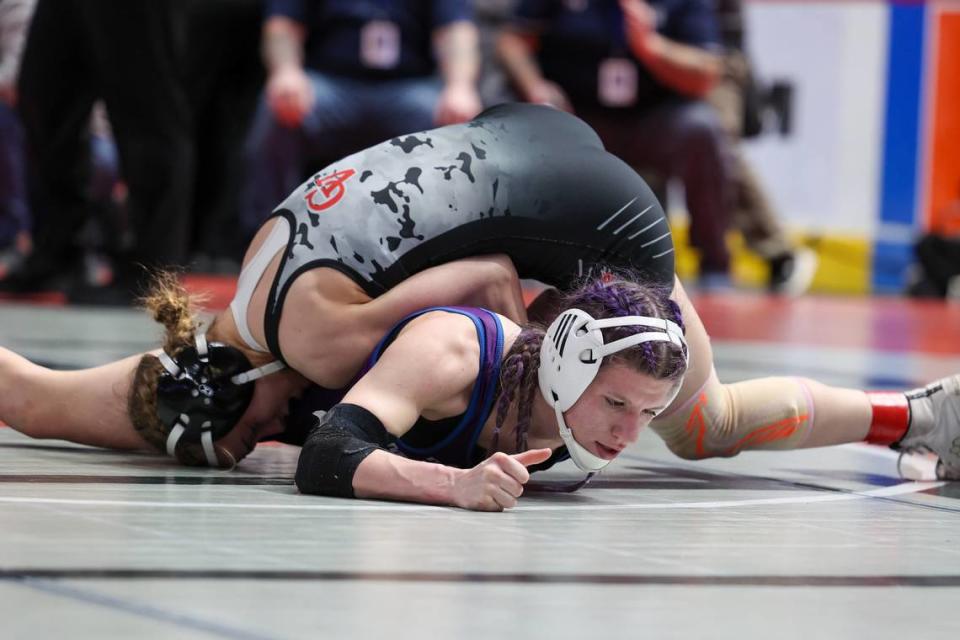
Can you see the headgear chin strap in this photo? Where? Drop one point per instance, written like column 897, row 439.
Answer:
column 570, row 358
column 204, row 392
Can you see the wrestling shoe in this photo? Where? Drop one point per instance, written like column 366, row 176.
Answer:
column 935, row 425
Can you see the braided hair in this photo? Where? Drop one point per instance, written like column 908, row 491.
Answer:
column 170, row 305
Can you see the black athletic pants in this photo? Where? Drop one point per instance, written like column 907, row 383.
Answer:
column 129, row 54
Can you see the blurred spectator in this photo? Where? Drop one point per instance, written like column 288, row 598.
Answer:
column 107, row 229
column 736, row 98
column 224, row 76
column 491, row 17
column 638, row 72
column 936, row 272
column 106, row 236
column 15, row 237
column 129, row 54
column 346, row 74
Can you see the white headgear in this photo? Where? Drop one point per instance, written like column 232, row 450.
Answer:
column 570, row 358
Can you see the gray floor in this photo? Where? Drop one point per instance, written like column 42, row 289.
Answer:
column 827, row 544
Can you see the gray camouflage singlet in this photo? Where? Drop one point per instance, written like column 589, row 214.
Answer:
column 528, row 181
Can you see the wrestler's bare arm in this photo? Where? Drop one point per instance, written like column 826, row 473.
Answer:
column 87, row 406
column 430, row 370
column 431, row 366
column 331, row 352
column 489, row 281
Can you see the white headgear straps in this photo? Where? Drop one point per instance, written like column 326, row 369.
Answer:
column 203, row 351
column 580, row 455
column 206, row 437
column 206, row 440
column 669, row 332
column 168, row 363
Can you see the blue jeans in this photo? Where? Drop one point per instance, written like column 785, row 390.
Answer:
column 347, row 116
column 14, row 212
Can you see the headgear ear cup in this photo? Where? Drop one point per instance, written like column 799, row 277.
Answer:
column 204, row 392
column 570, row 358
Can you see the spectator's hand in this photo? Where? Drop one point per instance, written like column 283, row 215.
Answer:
column 8, row 94
column 458, row 103
column 640, row 21
column 550, row 94
column 497, row 482
column 290, row 95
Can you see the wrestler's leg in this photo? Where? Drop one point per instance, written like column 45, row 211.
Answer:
column 710, row 419
column 713, row 419
column 88, row 406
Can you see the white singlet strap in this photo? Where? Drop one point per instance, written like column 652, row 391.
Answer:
column 251, row 275
column 259, row 372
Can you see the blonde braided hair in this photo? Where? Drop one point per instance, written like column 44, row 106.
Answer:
column 169, row 303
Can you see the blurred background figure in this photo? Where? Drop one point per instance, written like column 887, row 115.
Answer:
column 212, row 110
column 129, row 54
column 224, row 78
column 345, row 74
column 491, row 17
column 15, row 236
column 936, row 270
column 106, row 236
column 737, row 98
column 639, row 73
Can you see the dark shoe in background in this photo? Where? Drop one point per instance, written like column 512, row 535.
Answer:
column 792, row 273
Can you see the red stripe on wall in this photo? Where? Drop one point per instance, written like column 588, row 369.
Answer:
column 943, row 212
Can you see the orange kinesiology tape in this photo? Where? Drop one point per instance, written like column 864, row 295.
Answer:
column 723, row 420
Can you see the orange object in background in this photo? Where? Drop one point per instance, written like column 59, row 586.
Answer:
column 943, row 203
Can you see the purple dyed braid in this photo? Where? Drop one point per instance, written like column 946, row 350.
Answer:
column 518, row 379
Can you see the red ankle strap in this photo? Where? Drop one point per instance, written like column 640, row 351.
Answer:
column 891, row 417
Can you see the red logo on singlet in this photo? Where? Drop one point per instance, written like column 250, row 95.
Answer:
column 327, row 190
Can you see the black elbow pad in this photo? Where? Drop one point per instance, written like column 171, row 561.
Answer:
column 335, row 447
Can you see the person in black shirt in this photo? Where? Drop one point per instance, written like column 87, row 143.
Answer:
column 638, row 73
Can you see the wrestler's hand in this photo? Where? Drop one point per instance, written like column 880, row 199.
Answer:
column 243, row 438
column 290, row 95
column 497, row 482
